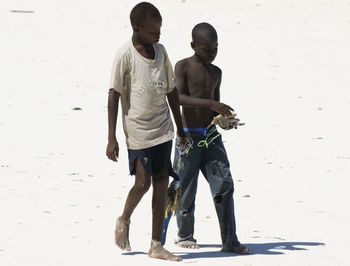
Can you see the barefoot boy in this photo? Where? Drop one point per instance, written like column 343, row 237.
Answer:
column 198, row 82
column 142, row 77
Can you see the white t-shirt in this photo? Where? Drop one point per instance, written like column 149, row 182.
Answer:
column 143, row 85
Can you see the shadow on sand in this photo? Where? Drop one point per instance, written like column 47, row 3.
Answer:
column 276, row 248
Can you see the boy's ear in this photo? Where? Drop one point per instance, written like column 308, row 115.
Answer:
column 192, row 45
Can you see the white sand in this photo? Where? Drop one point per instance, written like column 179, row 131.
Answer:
column 285, row 71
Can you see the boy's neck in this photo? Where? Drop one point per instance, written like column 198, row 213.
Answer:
column 196, row 59
column 145, row 49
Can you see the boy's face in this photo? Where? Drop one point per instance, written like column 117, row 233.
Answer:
column 149, row 31
column 206, row 49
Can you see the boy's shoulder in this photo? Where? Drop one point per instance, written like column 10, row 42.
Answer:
column 217, row 69
column 125, row 49
column 183, row 63
column 189, row 63
column 160, row 47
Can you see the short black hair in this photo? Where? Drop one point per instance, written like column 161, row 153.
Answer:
column 142, row 11
column 203, row 30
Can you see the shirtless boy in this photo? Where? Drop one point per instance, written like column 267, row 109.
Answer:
column 198, row 82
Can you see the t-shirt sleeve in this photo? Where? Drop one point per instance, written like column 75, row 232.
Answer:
column 119, row 69
column 169, row 71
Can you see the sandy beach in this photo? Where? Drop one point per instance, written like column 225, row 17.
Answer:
column 286, row 73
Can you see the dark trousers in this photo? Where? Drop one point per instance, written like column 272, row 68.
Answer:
column 212, row 161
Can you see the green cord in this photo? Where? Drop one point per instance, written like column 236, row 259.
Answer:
column 206, row 142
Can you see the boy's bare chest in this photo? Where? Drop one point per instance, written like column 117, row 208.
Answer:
column 202, row 81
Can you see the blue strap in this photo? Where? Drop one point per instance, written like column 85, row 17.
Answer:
column 199, row 131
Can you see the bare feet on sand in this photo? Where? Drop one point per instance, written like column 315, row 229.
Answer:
column 122, row 234
column 158, row 252
column 240, row 249
column 192, row 244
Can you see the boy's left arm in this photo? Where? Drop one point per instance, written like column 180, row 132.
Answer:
column 173, row 99
column 217, row 89
column 232, row 121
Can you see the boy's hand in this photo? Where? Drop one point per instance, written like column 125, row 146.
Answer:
column 112, row 150
column 227, row 122
column 181, row 133
column 184, row 144
column 221, row 108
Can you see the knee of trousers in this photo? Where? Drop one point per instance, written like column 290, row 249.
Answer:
column 186, row 211
column 226, row 190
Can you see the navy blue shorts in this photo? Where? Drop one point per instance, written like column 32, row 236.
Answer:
column 153, row 159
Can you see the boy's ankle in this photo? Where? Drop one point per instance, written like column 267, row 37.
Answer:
column 157, row 251
column 123, row 220
column 155, row 243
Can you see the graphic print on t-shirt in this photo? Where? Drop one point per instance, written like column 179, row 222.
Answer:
column 158, row 87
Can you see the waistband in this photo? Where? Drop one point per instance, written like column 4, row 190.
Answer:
column 202, row 131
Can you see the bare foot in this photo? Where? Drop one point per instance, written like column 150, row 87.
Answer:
column 187, row 244
column 158, row 252
column 240, row 249
column 122, row 234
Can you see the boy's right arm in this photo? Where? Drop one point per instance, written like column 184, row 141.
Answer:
column 182, row 85
column 112, row 150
